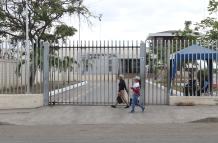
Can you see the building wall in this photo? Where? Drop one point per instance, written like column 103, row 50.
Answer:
column 9, row 77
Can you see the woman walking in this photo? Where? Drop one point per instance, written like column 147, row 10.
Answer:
column 121, row 91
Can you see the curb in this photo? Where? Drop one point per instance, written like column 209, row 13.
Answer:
column 52, row 93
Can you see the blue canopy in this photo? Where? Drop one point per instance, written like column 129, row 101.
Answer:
column 191, row 53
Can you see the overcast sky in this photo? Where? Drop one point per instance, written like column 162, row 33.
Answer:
column 135, row 19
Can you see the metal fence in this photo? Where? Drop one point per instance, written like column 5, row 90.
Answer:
column 86, row 73
column 13, row 68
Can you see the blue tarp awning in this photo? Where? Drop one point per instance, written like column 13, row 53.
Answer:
column 191, row 53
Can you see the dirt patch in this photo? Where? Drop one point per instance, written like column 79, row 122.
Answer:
column 207, row 120
column 185, row 104
column 5, row 123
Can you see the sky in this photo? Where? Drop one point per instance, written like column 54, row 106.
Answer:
column 135, row 19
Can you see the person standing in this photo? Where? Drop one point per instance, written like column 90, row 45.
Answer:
column 136, row 93
column 121, row 91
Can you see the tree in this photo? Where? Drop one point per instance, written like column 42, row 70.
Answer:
column 188, row 33
column 44, row 24
column 209, row 25
column 44, row 19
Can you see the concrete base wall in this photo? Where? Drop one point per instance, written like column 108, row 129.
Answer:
column 15, row 101
column 196, row 100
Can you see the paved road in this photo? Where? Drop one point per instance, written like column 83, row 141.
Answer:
column 104, row 93
column 147, row 133
column 101, row 92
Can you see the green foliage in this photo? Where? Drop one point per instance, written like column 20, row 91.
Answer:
column 187, row 33
column 213, row 6
column 209, row 25
column 44, row 19
column 44, row 24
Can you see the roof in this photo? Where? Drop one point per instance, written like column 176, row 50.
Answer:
column 169, row 33
column 196, row 49
column 192, row 53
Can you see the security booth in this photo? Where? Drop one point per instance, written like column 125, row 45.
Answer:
column 200, row 80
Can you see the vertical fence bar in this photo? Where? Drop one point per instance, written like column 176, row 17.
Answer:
column 80, row 74
column 2, row 65
column 7, row 69
column 58, row 72
column 41, row 65
column 33, row 68
column 169, row 58
column 93, row 51
column 132, row 60
column 21, row 69
column 16, row 69
column 77, row 73
column 162, row 71
column 13, row 71
column 109, row 55
column 89, row 74
column 153, row 72
column 180, row 67
column 168, row 75
column 50, row 73
column 70, row 64
column 46, row 73
column 62, row 73
column 157, row 72
column 112, row 72
column 216, row 67
column 85, row 71
column 114, row 68
column 146, row 73
column 104, row 65
column 128, row 66
column 53, row 70
column 100, row 57
column 148, row 58
column 118, row 61
column 212, row 70
column 142, row 70
column 77, row 64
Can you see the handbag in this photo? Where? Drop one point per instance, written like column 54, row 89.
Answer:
column 119, row 99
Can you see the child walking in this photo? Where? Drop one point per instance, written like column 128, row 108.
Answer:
column 136, row 93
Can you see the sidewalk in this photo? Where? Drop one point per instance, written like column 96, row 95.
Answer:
column 69, row 115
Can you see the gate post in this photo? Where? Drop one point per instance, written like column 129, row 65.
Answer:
column 142, row 70
column 45, row 73
column 168, row 72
